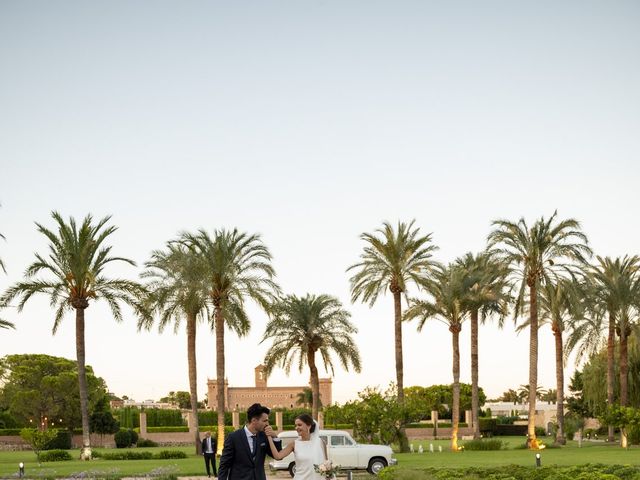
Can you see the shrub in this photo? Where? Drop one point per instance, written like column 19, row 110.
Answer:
column 128, row 455
column 540, row 432
column 511, row 430
column 134, row 437
column 123, row 438
column 62, row 441
column 484, row 445
column 487, row 426
column 55, row 456
column 10, row 431
column 165, row 454
column 145, row 442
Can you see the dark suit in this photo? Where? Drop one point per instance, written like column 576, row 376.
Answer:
column 209, row 458
column 237, row 463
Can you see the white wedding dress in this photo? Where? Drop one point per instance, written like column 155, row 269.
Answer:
column 308, row 453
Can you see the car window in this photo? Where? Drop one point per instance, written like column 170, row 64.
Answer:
column 323, row 438
column 348, row 441
column 337, row 440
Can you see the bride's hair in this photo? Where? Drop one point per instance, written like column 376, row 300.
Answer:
column 306, row 419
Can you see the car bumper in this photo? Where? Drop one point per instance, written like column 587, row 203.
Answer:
column 393, row 461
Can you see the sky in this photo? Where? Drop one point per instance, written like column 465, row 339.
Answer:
column 311, row 122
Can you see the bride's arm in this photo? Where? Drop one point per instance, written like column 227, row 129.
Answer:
column 279, row 455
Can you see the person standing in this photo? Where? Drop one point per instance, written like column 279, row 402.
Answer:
column 244, row 450
column 209, row 454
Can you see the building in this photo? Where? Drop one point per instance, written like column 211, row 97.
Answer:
column 240, row 398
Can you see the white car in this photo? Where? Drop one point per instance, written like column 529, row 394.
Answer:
column 343, row 451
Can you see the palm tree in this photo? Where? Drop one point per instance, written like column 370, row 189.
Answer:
column 392, row 260
column 178, row 290
column 535, row 256
column 560, row 306
column 4, row 323
column 613, row 283
column 238, row 267
column 447, row 290
column 305, row 398
column 303, row 326
column 485, row 295
column 75, row 277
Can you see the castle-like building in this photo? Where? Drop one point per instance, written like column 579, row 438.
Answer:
column 240, row 398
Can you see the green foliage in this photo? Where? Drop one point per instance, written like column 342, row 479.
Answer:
column 438, row 397
column 62, row 441
column 625, row 418
column 38, row 439
column 145, row 442
column 128, row 417
column 125, row 438
column 166, row 454
column 484, row 445
column 181, row 399
column 103, row 423
column 55, row 456
column 38, row 386
column 142, row 455
column 10, row 431
column 487, row 426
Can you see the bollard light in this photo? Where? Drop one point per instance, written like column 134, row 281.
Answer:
column 538, row 460
column 21, row 469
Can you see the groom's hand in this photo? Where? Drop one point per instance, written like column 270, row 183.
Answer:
column 269, row 431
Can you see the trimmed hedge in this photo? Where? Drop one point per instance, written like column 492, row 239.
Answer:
column 54, row 456
column 145, row 442
column 484, row 445
column 166, row 454
column 144, row 455
column 10, row 431
column 510, row 430
column 61, row 442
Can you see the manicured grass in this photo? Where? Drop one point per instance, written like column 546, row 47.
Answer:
column 591, row 452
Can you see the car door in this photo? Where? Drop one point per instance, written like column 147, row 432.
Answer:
column 342, row 451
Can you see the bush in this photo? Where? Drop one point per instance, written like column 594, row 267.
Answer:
column 145, row 442
column 134, row 437
column 55, row 456
column 540, row 432
column 487, row 426
column 123, row 438
column 165, row 454
column 128, row 455
column 511, row 430
column 61, row 442
column 484, row 445
column 10, row 431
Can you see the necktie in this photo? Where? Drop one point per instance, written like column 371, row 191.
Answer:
column 254, row 439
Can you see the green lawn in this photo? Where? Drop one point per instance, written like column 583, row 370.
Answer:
column 194, row 465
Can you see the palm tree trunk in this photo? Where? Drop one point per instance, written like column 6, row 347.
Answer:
column 404, row 442
column 624, row 366
column 533, row 366
column 220, row 393
column 557, row 333
column 475, row 398
column 85, row 454
column 315, row 383
column 193, row 378
column 611, row 344
column 455, row 409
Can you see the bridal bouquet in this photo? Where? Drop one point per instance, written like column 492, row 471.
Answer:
column 327, row 470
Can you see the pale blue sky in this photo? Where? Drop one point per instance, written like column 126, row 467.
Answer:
column 311, row 122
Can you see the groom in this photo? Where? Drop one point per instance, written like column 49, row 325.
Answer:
column 245, row 449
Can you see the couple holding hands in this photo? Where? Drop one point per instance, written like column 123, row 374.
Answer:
column 245, row 449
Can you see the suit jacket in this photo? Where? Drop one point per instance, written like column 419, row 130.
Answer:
column 237, row 463
column 213, row 444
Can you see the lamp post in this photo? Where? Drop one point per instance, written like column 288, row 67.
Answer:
column 538, row 460
column 21, row 469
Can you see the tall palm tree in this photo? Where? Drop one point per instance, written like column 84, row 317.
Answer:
column 393, row 259
column 4, row 323
column 238, row 267
column 74, row 277
column 305, row 398
column 612, row 284
column 559, row 306
column 486, row 294
column 536, row 255
column 446, row 304
column 303, row 326
column 178, row 289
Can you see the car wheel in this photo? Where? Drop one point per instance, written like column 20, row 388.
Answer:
column 292, row 469
column 376, row 464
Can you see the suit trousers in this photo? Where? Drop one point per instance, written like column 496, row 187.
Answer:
column 210, row 459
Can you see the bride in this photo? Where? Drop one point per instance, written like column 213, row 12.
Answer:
column 309, row 449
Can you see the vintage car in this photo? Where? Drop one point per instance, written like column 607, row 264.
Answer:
column 343, row 451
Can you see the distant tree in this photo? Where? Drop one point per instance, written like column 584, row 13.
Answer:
column 38, row 439
column 302, row 327
column 537, row 255
column 4, row 323
column 40, row 386
column 74, row 275
column 305, row 398
column 393, row 259
column 510, row 396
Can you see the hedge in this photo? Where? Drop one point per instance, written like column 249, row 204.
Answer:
column 203, row 428
column 54, row 456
